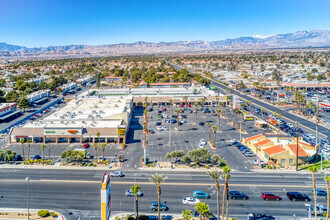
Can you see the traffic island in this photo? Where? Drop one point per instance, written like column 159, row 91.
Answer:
column 11, row 213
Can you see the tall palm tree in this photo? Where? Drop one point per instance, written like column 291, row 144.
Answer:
column 98, row 138
column 145, row 131
column 95, row 147
column 195, row 104
column 43, row 152
column 217, row 100
column 103, row 149
column 158, row 180
column 226, row 170
column 216, row 176
column 232, row 112
column 171, row 105
column 177, row 111
column 214, row 129
column 218, row 111
column 29, row 146
column 203, row 102
column 209, row 125
column 313, row 169
column 262, row 114
column 202, row 209
column 243, row 121
column 185, row 98
column 327, row 179
column 22, row 142
column 135, row 190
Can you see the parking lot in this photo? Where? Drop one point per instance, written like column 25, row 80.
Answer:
column 189, row 137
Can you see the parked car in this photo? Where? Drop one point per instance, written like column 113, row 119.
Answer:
column 249, row 154
column 238, row 195
column 201, row 195
column 154, row 206
column 151, row 131
column 201, row 123
column 261, row 162
column 86, row 145
column 36, row 157
column 129, row 193
column 270, row 196
column 202, row 141
column 177, row 129
column 297, row 196
column 17, row 157
column 158, row 123
column 321, row 209
column 190, row 201
column 116, row 174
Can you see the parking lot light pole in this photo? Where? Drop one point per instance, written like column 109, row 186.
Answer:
column 240, row 133
column 297, row 147
column 169, row 135
column 27, row 197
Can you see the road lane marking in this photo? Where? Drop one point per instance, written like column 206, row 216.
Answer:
column 173, row 184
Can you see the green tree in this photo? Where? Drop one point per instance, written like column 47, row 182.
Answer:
column 187, row 214
column 158, row 180
column 2, row 82
column 202, row 209
column 135, row 190
column 218, row 111
column 226, row 170
column 103, row 149
column 43, row 152
column 214, row 129
column 95, row 147
column 11, row 96
column 209, row 126
column 22, row 142
column 24, row 103
column 216, row 176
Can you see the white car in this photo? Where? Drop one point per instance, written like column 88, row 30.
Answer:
column 202, row 141
column 160, row 128
column 201, row 145
column 165, row 128
column 176, row 128
column 190, row 201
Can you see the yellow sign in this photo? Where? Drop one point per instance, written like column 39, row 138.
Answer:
column 121, row 131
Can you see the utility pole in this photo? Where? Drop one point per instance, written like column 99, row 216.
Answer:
column 297, row 147
column 27, row 197
column 169, row 135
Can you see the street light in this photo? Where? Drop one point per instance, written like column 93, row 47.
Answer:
column 27, row 197
column 309, row 210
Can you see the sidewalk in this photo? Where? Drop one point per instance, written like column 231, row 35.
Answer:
column 31, row 211
column 56, row 167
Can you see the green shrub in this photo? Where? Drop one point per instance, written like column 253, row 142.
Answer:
column 52, row 214
column 207, row 167
column 43, row 213
column 91, row 164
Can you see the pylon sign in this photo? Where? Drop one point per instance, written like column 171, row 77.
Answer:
column 105, row 197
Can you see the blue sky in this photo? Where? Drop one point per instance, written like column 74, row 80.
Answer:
column 35, row 23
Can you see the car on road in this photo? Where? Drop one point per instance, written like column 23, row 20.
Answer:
column 201, row 195
column 116, row 174
column 190, row 201
column 238, row 195
column 294, row 196
column 154, row 206
column 202, row 141
column 321, row 192
column 320, row 209
column 270, row 196
column 129, row 193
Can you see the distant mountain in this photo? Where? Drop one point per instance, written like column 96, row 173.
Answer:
column 316, row 38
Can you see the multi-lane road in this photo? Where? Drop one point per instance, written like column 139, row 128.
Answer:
column 79, row 191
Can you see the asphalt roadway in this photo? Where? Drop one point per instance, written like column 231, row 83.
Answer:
column 79, row 191
column 306, row 124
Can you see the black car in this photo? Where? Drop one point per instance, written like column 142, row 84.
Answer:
column 238, row 195
column 297, row 196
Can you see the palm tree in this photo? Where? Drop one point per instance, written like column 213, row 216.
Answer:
column 171, row 105
column 22, row 142
column 232, row 112
column 216, row 176
column 203, row 102
column 95, row 147
column 209, row 125
column 185, row 98
column 187, row 214
column 242, row 128
column 202, row 209
column 103, row 149
column 145, row 131
column 177, row 111
column 135, row 190
column 218, row 111
column 327, row 179
column 214, row 129
column 29, row 142
column 158, row 180
column 98, row 138
column 195, row 104
column 226, row 170
column 313, row 169
column 217, row 100
column 43, row 152
column 262, row 114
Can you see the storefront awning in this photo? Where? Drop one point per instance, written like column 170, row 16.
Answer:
column 9, row 115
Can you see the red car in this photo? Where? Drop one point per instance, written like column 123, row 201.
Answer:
column 270, row 196
column 86, row 145
column 163, row 109
column 189, row 105
column 181, row 105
